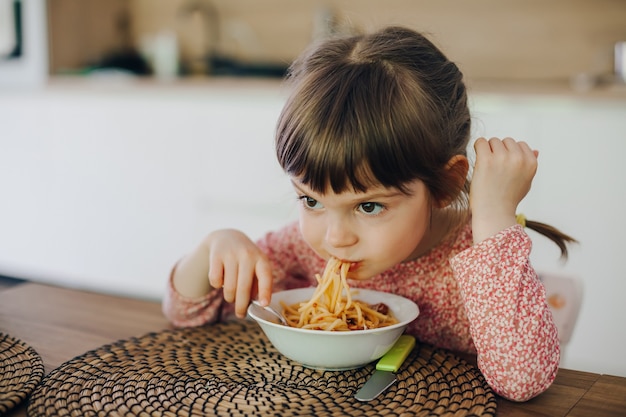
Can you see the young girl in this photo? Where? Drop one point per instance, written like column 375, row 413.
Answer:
column 374, row 138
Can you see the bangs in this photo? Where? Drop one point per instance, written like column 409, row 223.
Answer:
column 336, row 136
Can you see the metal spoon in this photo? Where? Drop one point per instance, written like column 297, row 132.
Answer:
column 268, row 313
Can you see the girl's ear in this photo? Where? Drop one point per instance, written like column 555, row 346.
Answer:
column 456, row 171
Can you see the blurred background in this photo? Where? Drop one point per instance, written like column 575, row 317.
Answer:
column 129, row 129
column 516, row 40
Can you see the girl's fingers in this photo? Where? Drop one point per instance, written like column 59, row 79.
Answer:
column 528, row 150
column 216, row 274
column 237, row 279
column 249, row 275
column 495, row 145
column 245, row 279
column 513, row 145
column 481, row 145
column 238, row 267
column 498, row 145
column 264, row 279
column 230, row 282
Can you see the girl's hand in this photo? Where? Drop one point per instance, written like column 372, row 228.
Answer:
column 502, row 177
column 226, row 259
column 239, row 267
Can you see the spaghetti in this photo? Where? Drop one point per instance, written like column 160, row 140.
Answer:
column 332, row 308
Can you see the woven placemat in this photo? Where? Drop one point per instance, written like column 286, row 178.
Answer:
column 21, row 369
column 231, row 369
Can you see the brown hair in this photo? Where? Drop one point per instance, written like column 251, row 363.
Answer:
column 385, row 108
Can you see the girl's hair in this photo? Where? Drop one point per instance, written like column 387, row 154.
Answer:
column 385, row 108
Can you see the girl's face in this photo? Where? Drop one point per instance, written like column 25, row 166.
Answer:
column 374, row 230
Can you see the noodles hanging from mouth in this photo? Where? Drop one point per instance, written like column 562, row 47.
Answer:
column 332, row 308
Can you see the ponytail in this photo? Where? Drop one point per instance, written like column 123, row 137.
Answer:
column 551, row 232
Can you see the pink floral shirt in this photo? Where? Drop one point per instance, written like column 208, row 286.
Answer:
column 484, row 299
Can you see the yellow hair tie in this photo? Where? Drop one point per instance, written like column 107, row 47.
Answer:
column 520, row 219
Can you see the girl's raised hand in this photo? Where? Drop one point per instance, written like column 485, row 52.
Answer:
column 226, row 259
column 502, row 177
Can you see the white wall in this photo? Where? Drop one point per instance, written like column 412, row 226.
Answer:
column 105, row 186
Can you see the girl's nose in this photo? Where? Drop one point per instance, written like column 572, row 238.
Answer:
column 339, row 234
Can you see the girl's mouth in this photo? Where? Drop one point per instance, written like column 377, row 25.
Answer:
column 354, row 266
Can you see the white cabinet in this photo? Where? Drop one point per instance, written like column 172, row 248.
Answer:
column 106, row 189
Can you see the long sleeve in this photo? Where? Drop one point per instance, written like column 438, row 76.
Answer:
column 183, row 311
column 512, row 327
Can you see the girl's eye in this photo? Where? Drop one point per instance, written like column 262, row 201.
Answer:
column 311, row 203
column 371, row 208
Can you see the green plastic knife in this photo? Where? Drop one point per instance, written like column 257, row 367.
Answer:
column 385, row 376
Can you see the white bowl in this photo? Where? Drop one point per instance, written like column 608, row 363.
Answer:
column 338, row 350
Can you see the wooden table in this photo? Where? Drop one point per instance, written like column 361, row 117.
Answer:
column 62, row 323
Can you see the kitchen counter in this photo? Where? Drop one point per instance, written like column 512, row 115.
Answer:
column 539, row 89
column 116, row 83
